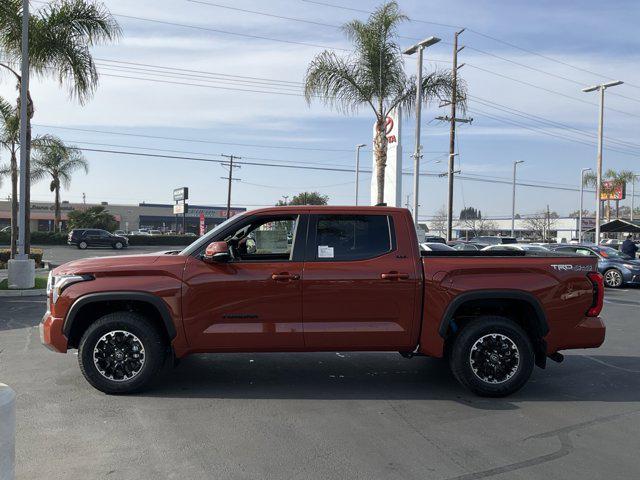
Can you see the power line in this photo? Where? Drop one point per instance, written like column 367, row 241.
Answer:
column 504, row 42
column 548, row 90
column 192, row 140
column 225, row 32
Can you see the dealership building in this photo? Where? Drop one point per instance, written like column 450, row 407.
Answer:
column 154, row 216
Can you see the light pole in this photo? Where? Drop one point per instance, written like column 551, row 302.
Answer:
column 601, row 88
column 633, row 195
column 358, row 147
column 418, row 47
column 513, row 199
column 582, row 172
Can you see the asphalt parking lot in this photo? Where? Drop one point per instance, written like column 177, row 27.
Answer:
column 326, row 416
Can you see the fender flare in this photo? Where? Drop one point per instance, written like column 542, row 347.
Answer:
column 149, row 298
column 540, row 324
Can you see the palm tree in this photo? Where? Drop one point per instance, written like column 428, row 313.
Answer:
column 58, row 161
column 9, row 122
column 373, row 75
column 60, row 37
column 610, row 182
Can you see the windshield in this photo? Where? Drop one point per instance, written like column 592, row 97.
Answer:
column 608, row 252
column 206, row 239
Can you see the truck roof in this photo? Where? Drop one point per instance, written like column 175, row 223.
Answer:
column 334, row 208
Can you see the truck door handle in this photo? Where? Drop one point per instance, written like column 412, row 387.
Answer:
column 284, row 276
column 394, row 276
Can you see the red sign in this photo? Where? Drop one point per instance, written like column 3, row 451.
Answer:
column 202, row 226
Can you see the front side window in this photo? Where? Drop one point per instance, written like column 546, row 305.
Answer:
column 268, row 238
column 352, row 237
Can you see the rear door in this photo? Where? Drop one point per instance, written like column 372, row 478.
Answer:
column 361, row 282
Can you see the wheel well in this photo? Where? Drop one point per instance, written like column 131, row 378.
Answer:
column 520, row 311
column 90, row 312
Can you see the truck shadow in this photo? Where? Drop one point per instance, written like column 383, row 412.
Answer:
column 376, row 376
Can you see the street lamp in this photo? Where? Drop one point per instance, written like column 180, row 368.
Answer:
column 513, row 199
column 418, row 47
column 358, row 147
column 633, row 194
column 582, row 172
column 601, row 88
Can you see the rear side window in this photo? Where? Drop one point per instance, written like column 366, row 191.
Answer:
column 352, row 237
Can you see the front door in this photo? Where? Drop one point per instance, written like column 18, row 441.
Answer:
column 361, row 283
column 253, row 302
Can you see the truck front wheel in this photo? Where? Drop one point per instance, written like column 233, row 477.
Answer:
column 492, row 356
column 121, row 352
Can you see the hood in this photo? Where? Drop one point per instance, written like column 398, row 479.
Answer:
column 112, row 263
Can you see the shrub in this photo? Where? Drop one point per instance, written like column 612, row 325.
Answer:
column 36, row 254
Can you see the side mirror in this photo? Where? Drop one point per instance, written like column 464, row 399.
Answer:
column 217, row 252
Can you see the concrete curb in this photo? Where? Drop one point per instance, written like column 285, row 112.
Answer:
column 34, row 292
column 7, row 432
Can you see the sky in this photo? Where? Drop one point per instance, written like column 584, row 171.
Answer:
column 212, row 77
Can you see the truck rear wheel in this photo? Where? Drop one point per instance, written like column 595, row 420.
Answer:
column 492, row 356
column 122, row 352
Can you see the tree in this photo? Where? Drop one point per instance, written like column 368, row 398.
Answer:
column 539, row 225
column 470, row 213
column 58, row 161
column 92, row 217
column 373, row 76
column 9, row 128
column 478, row 226
column 306, row 198
column 439, row 221
column 60, row 37
column 585, row 213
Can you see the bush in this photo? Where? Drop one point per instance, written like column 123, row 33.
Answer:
column 141, row 240
column 36, row 254
column 48, row 238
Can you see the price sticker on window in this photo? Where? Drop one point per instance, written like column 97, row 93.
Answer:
column 325, row 251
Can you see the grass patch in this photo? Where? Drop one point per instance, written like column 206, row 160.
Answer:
column 41, row 284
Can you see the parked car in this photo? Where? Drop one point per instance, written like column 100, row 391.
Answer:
column 120, row 233
column 155, row 232
column 94, row 237
column 436, row 247
column 434, row 239
column 6, row 229
column 491, row 240
column 616, row 267
column 366, row 284
column 140, row 232
column 526, row 247
column 467, row 246
column 611, row 242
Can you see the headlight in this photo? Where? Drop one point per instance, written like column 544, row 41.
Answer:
column 57, row 284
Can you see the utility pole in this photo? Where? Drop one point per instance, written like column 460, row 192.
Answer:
column 513, row 199
column 419, row 48
column 582, row 172
column 633, row 195
column 230, row 178
column 452, row 119
column 358, row 147
column 601, row 88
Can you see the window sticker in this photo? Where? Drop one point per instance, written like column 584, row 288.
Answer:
column 324, row 251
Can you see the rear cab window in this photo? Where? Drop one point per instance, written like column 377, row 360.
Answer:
column 344, row 237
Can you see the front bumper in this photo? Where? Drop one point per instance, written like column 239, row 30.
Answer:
column 51, row 334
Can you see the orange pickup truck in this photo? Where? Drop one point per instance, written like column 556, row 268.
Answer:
column 300, row 279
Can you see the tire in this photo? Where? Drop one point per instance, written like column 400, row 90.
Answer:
column 613, row 278
column 492, row 356
column 118, row 245
column 108, row 349
column 83, row 245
